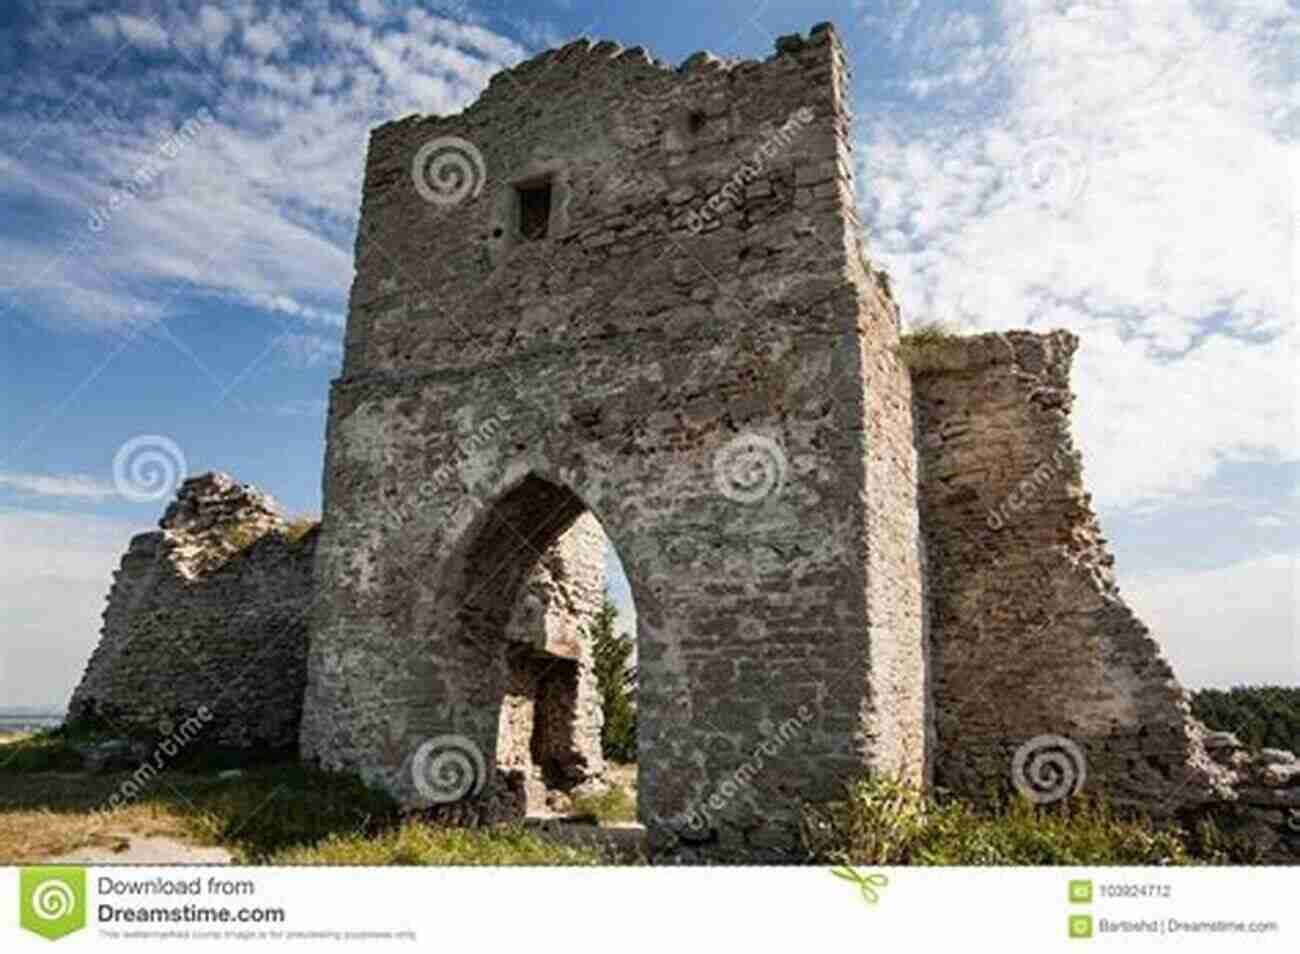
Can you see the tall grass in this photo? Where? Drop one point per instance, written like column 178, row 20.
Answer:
column 884, row 822
column 417, row 843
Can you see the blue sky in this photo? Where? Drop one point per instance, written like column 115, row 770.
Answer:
column 1124, row 169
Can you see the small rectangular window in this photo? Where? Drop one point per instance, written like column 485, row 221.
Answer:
column 534, row 211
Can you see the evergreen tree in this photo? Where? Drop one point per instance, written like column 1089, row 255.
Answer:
column 616, row 682
column 1260, row 716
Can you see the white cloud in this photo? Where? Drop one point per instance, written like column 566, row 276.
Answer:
column 261, row 38
column 104, row 25
column 57, row 485
column 215, row 26
column 55, row 573
column 260, row 205
column 142, row 30
column 1125, row 185
column 308, row 351
column 1234, row 625
column 301, row 407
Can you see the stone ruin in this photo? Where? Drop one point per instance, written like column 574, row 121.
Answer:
column 207, row 623
column 647, row 300
column 208, row 612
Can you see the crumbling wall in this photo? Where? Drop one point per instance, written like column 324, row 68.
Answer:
column 1030, row 635
column 210, row 613
column 207, row 613
column 1263, row 811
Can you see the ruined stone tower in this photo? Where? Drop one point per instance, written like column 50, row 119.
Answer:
column 648, row 302
column 612, row 293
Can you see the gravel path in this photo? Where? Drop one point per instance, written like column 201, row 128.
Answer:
column 145, row 850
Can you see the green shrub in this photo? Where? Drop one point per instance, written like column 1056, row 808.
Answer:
column 616, row 682
column 1260, row 716
column 884, row 822
column 919, row 346
column 47, row 751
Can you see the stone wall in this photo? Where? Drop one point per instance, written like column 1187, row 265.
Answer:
column 1030, row 635
column 683, row 355
column 551, row 716
column 1264, row 810
column 209, row 612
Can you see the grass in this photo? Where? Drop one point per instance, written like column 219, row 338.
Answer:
column 265, row 810
column 241, row 536
column 613, row 806
column 299, row 527
column 420, row 844
column 286, row 814
column 883, row 822
column 920, row 346
column 271, row 814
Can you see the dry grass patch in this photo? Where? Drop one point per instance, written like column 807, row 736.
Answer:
column 269, row 814
column 299, row 527
column 263, row 811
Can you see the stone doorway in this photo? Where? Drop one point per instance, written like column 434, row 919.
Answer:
column 540, row 556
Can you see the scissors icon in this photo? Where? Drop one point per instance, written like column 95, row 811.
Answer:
column 867, row 884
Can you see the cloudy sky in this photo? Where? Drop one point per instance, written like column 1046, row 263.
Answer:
column 1127, row 169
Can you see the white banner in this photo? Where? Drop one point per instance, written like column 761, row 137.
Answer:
column 618, row 910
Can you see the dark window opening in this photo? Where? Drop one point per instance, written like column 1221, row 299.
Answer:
column 534, row 211
column 695, row 122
